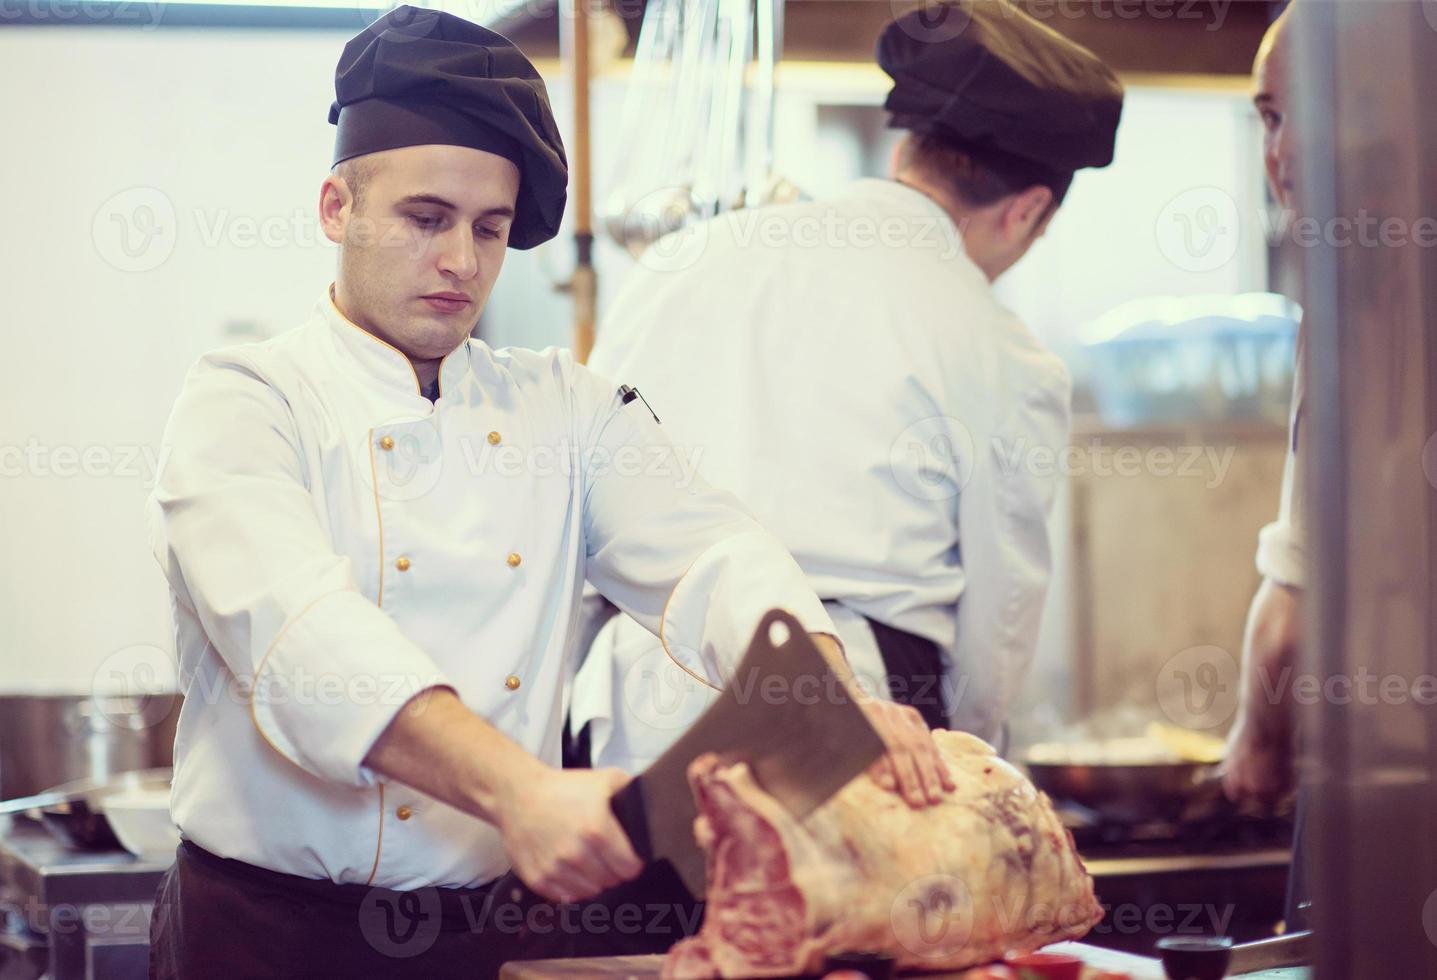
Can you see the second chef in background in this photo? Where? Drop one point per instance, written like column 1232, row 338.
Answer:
column 844, row 367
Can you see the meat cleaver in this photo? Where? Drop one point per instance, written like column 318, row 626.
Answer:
column 784, row 713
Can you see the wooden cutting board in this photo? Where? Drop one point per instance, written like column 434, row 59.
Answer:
column 648, row 967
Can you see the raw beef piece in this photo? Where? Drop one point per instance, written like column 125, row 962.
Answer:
column 988, row 871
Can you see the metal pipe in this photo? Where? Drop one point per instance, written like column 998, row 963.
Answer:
column 584, row 285
column 1369, row 148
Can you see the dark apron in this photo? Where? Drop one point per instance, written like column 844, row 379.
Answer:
column 219, row 918
column 915, row 672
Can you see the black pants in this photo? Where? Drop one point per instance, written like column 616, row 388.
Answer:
column 915, row 672
column 219, row 918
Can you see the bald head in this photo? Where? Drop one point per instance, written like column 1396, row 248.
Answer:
column 1272, row 88
column 1274, row 42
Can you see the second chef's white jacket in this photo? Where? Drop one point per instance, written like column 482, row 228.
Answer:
column 1282, row 545
column 844, row 367
column 335, row 543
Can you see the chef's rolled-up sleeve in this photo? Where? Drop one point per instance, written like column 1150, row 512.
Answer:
column 1280, row 554
column 235, row 530
column 684, row 559
column 1003, row 516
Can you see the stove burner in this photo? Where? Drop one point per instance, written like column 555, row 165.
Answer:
column 1201, row 829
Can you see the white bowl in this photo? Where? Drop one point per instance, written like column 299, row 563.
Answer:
column 141, row 820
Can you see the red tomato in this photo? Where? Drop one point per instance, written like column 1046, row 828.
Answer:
column 1046, row 966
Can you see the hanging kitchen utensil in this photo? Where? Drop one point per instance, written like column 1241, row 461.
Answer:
column 696, row 131
column 762, row 184
column 646, row 123
column 714, row 190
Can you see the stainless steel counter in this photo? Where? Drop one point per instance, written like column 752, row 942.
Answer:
column 1114, row 867
column 73, row 914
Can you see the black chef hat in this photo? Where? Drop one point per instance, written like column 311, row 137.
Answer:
column 419, row 76
column 986, row 77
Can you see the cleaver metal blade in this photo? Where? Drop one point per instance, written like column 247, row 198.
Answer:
column 784, row 713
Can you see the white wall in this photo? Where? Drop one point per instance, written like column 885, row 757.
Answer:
column 211, row 130
column 1124, row 232
column 160, row 189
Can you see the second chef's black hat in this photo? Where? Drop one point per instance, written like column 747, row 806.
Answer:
column 990, row 79
column 418, row 76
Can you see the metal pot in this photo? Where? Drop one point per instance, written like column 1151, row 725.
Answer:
column 47, row 740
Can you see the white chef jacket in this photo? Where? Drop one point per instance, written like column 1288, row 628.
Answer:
column 1282, row 545
column 845, row 369
column 335, row 543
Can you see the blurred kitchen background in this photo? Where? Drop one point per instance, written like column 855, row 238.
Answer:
column 164, row 180
column 163, row 174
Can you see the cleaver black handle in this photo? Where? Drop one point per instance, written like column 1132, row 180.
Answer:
column 628, row 807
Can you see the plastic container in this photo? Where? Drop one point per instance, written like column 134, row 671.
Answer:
column 1193, row 358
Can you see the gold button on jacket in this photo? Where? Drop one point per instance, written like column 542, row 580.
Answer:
column 404, row 812
column 512, row 682
column 402, row 563
column 514, row 559
column 386, row 442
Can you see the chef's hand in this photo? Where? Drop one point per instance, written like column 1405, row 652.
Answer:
column 1258, row 763
column 561, row 837
column 913, row 767
column 1257, row 767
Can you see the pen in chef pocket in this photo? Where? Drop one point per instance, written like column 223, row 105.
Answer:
column 628, row 394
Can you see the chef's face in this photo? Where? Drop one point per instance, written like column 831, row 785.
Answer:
column 430, row 220
column 1271, row 96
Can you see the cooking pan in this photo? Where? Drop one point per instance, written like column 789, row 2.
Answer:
column 74, row 812
column 1153, row 776
column 1128, row 792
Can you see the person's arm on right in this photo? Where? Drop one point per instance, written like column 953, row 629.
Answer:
column 1260, row 746
column 1258, row 763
